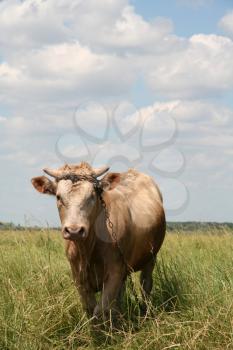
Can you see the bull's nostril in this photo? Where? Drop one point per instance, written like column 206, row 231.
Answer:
column 67, row 229
column 81, row 231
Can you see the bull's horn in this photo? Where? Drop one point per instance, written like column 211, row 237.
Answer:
column 100, row 171
column 53, row 173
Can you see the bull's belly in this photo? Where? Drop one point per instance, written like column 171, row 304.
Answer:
column 145, row 246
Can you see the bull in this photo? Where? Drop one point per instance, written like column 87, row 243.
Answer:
column 112, row 226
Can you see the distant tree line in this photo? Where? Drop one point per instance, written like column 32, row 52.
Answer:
column 171, row 226
column 195, row 226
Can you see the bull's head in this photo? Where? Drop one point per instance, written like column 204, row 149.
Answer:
column 77, row 201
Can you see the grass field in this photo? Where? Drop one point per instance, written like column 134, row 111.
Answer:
column 191, row 308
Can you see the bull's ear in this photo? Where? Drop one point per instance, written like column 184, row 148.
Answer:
column 43, row 185
column 110, row 181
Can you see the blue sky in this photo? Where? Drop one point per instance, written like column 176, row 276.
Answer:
column 189, row 17
column 158, row 75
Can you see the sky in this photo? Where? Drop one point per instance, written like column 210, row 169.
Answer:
column 127, row 83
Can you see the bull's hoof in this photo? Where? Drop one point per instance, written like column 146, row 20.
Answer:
column 107, row 315
column 144, row 309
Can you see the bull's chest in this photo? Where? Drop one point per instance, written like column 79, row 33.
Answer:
column 86, row 269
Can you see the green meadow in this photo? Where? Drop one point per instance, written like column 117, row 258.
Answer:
column 191, row 305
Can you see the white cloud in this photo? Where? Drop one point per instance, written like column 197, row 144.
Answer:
column 226, row 23
column 58, row 50
column 128, row 31
column 199, row 123
column 204, row 135
column 2, row 119
column 202, row 68
column 31, row 124
column 9, row 74
column 31, row 23
column 64, row 72
column 112, row 24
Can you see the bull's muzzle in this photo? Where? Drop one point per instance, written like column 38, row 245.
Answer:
column 74, row 232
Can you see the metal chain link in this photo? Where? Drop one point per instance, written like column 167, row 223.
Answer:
column 110, row 225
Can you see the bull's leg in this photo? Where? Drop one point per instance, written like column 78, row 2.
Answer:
column 146, row 282
column 110, row 294
column 121, row 294
column 88, row 299
column 86, row 293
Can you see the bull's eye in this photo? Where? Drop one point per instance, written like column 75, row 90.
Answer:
column 59, row 200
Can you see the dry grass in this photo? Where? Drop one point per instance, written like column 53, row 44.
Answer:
column 191, row 306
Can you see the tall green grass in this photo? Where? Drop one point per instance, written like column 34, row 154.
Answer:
column 191, row 305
